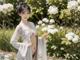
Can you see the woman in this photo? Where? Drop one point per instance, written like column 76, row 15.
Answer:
column 27, row 50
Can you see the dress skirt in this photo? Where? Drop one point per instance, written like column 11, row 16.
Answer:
column 41, row 52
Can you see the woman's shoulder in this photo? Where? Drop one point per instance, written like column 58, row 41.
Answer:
column 32, row 23
column 18, row 27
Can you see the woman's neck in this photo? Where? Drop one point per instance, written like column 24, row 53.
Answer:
column 24, row 21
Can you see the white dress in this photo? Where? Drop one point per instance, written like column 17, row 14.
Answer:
column 24, row 50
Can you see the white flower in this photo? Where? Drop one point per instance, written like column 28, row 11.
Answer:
column 72, row 5
column 52, row 31
column 78, row 8
column 44, row 29
column 37, row 26
column 1, row 8
column 53, row 47
column 47, row 1
column 78, row 1
column 6, row 8
column 69, row 37
column 55, row 30
column 50, row 26
column 43, row 24
column 62, row 48
column 40, row 22
column 61, row 27
column 73, row 37
column 70, row 34
column 53, row 10
column 45, row 20
column 52, row 21
column 75, row 40
column 10, row 7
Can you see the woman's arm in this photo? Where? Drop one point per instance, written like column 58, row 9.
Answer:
column 44, row 36
column 15, row 37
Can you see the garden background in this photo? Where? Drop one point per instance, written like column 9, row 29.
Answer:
column 62, row 17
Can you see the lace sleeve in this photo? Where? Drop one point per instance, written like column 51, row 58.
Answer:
column 33, row 25
column 15, row 37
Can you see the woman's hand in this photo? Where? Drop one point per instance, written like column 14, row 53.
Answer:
column 45, row 35
column 33, row 41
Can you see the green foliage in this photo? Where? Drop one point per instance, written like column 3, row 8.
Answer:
column 59, row 46
column 5, row 36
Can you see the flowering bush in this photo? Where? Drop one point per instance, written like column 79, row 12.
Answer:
column 64, row 44
column 46, row 25
column 61, row 40
column 62, row 23
column 72, row 5
column 53, row 10
column 6, row 8
column 72, row 36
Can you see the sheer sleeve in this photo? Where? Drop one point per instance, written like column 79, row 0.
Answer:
column 15, row 37
column 33, row 26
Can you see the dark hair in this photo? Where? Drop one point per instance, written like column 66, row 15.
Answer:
column 22, row 7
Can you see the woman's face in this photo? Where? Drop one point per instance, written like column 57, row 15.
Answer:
column 25, row 15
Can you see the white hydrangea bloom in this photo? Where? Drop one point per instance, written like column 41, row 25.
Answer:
column 75, row 40
column 70, row 34
column 76, row 36
column 50, row 26
column 62, row 48
column 10, row 7
column 72, row 5
column 53, row 10
column 78, row 8
column 52, row 31
column 55, row 30
column 40, row 22
column 69, row 37
column 44, row 29
column 73, row 37
column 43, row 24
column 37, row 26
column 1, row 8
column 45, row 20
column 61, row 27
column 47, row 1
column 6, row 8
column 78, row 1
column 52, row 21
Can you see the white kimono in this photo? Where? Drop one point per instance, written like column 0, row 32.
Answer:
column 24, row 50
